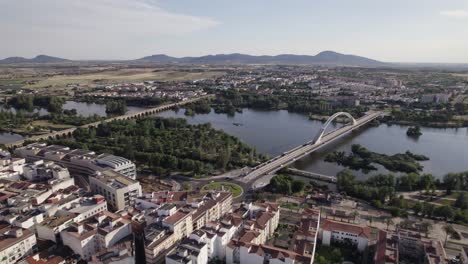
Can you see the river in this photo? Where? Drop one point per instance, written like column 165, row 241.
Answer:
column 82, row 108
column 274, row 132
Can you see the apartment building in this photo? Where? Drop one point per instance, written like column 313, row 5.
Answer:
column 119, row 191
column 210, row 206
column 334, row 231
column 15, row 243
column 190, row 250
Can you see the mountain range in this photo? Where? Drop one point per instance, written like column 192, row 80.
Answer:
column 37, row 59
column 323, row 58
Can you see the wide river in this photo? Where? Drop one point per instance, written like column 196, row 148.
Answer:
column 274, row 132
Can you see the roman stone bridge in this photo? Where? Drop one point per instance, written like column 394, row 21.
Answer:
column 69, row 132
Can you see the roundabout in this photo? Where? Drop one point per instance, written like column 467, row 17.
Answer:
column 233, row 188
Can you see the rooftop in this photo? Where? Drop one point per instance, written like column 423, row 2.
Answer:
column 362, row 231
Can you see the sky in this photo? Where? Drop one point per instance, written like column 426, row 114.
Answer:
column 392, row 31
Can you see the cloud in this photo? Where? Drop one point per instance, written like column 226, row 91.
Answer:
column 455, row 13
column 91, row 28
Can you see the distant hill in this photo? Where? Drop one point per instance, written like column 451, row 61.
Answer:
column 37, row 59
column 323, row 58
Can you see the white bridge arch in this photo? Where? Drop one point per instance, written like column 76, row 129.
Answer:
column 319, row 135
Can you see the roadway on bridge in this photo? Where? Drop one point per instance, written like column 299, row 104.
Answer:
column 289, row 157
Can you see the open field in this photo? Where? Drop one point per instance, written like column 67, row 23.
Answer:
column 124, row 75
column 46, row 123
column 235, row 189
column 56, row 79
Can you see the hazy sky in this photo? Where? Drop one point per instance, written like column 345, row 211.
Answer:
column 396, row 30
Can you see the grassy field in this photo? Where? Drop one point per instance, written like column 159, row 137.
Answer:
column 119, row 76
column 46, row 123
column 235, row 189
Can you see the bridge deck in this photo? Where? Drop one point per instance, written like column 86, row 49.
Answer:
column 299, row 152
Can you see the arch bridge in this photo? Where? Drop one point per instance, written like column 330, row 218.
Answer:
column 321, row 139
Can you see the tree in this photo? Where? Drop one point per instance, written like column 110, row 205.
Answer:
column 23, row 101
column 426, row 226
column 451, row 182
column 417, row 208
column 444, row 211
column 449, row 230
column 354, row 214
column 461, row 201
column 297, row 186
column 345, row 179
column 118, row 107
column 389, row 222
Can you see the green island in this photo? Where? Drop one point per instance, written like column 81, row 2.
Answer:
column 167, row 145
column 116, row 107
column 361, row 158
column 233, row 188
column 414, row 131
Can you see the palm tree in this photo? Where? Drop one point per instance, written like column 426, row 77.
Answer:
column 427, row 226
column 449, row 230
column 354, row 214
column 389, row 222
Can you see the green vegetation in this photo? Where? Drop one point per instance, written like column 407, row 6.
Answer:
column 28, row 102
column 116, row 107
column 414, row 131
column 23, row 102
column 167, row 145
column 456, row 182
column 10, row 121
column 381, row 190
column 336, row 255
column 285, row 184
column 361, row 158
column 431, row 116
column 233, row 188
column 130, row 101
column 72, row 119
column 232, row 101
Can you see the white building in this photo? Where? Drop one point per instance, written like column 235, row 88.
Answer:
column 40, row 171
column 15, row 244
column 98, row 233
column 338, row 232
column 119, row 191
column 118, row 164
column 78, row 161
column 191, row 250
column 81, row 239
column 10, row 168
column 84, row 208
column 51, row 227
column 240, row 253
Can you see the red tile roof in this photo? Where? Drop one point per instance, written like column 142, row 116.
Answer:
column 176, row 217
column 362, row 231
